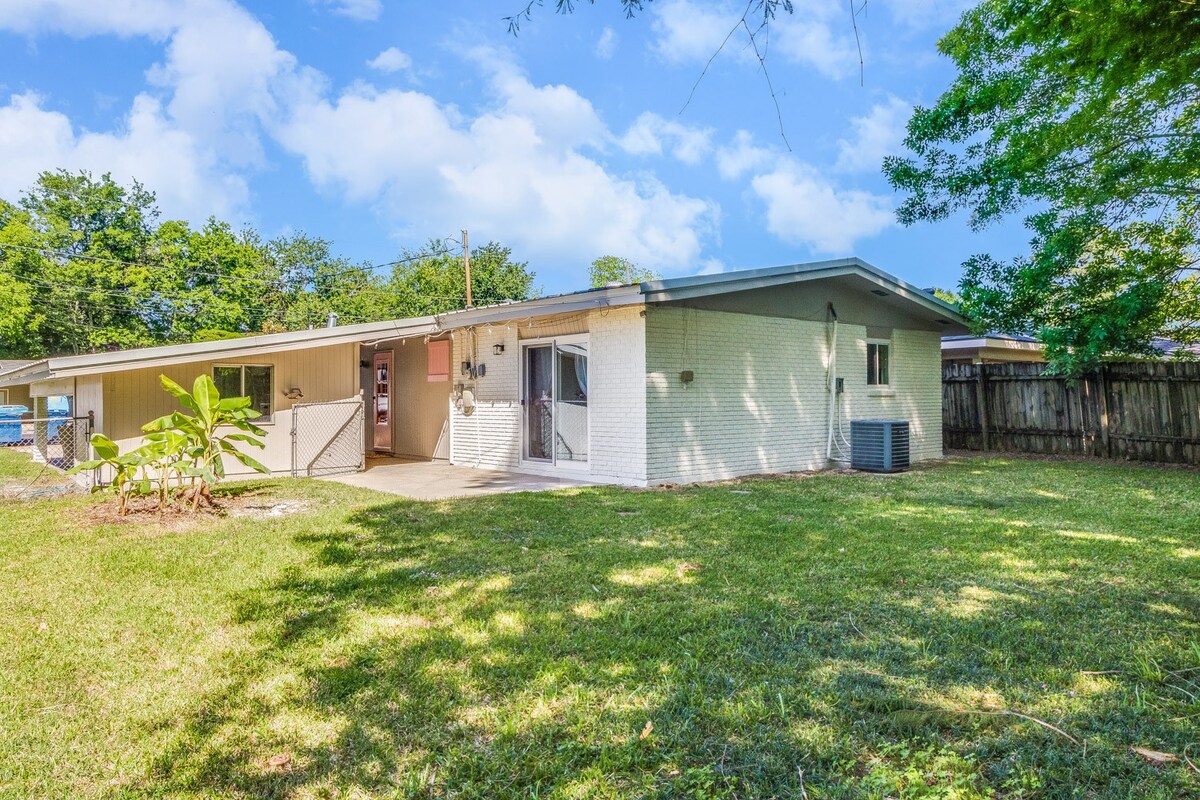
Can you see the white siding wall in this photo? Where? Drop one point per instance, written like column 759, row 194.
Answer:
column 89, row 397
column 491, row 436
column 134, row 397
column 759, row 403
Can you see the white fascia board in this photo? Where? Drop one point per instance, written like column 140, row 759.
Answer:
column 584, row 301
column 38, row 370
column 706, row 285
column 962, row 344
column 983, row 342
column 73, row 366
column 230, row 348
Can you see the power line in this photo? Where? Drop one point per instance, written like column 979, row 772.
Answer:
column 125, row 291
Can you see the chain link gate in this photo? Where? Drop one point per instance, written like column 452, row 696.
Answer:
column 328, row 438
column 59, row 441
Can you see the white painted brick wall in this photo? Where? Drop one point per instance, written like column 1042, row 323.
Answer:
column 491, row 436
column 617, row 395
column 759, row 403
column 914, row 392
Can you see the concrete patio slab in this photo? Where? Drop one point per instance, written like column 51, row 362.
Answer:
column 438, row 480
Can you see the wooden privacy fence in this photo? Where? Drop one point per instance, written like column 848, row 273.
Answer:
column 1144, row 411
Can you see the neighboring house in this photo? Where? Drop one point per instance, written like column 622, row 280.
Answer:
column 13, row 395
column 995, row 348
column 990, row 348
column 1169, row 349
column 678, row 380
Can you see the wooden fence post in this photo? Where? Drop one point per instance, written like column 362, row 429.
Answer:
column 981, row 398
column 1105, row 433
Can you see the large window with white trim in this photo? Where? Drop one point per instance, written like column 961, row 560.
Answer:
column 247, row 380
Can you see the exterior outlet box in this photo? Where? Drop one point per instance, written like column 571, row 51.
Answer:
column 840, row 385
column 687, row 376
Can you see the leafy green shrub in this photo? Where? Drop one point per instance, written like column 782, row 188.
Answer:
column 181, row 456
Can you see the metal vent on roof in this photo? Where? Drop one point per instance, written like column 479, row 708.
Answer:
column 879, row 445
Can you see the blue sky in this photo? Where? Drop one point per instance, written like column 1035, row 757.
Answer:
column 380, row 125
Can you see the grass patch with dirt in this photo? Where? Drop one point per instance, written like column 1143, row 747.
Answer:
column 831, row 636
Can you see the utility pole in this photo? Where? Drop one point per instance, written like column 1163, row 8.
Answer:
column 467, row 266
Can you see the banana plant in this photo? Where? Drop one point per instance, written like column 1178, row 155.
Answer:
column 124, row 468
column 165, row 455
column 212, row 432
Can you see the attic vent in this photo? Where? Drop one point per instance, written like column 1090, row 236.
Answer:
column 879, row 292
column 879, row 445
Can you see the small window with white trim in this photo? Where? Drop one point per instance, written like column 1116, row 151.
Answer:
column 878, row 362
column 247, row 380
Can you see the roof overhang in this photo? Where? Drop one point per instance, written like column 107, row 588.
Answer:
column 28, row 373
column 669, row 290
column 954, row 343
column 371, row 332
column 701, row 286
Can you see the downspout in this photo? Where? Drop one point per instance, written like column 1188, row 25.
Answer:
column 832, row 382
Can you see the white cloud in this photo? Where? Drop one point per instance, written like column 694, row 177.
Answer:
column 880, row 132
column 560, row 116
column 154, row 18
column 606, row 45
column 805, row 208
column 391, row 60
column 223, row 77
column 186, row 178
column 524, row 170
column 741, row 156
column 817, row 35
column 688, row 31
column 649, row 133
column 499, row 174
column 365, row 10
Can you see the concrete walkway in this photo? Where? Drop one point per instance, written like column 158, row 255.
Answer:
column 438, row 480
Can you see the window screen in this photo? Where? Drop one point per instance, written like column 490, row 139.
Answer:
column 228, row 381
column 251, row 380
column 256, row 384
column 878, row 367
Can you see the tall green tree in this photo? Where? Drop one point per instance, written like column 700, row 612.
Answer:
column 610, row 269
column 313, row 282
column 85, row 265
column 1086, row 114
column 69, row 238
column 211, row 281
column 435, row 283
column 21, row 317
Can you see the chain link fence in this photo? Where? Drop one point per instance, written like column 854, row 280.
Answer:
column 328, row 438
column 59, row 441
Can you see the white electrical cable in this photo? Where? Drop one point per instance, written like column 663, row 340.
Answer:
column 835, row 410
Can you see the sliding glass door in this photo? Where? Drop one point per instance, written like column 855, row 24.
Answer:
column 554, row 385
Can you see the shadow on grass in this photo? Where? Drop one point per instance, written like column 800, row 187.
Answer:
column 520, row 645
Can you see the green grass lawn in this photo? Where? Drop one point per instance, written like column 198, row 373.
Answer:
column 833, row 636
